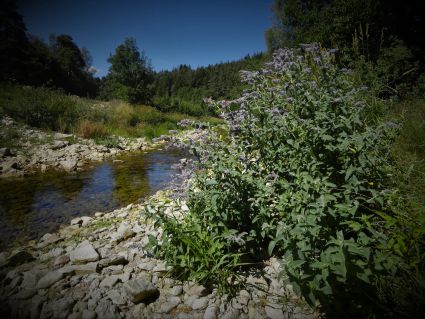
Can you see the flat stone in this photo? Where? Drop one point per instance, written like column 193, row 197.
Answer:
column 124, row 231
column 58, row 145
column 49, row 279
column 169, row 304
column 84, row 253
column 109, row 281
column 113, row 260
column 274, row 313
column 86, row 268
column 200, row 303
column 139, row 289
column 116, row 297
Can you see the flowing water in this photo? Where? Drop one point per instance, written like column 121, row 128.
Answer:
column 38, row 204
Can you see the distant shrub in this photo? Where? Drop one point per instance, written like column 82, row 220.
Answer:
column 88, row 129
column 42, row 107
column 303, row 173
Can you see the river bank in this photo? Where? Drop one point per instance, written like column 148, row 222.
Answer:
column 101, row 267
column 34, row 150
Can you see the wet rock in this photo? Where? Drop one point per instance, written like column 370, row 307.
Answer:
column 139, row 289
column 68, row 164
column 49, row 279
column 84, row 253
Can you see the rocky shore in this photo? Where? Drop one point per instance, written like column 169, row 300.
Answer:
column 36, row 150
column 101, row 267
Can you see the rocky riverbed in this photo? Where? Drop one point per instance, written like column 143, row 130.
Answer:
column 101, row 267
column 34, row 149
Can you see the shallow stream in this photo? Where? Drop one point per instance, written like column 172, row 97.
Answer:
column 38, row 204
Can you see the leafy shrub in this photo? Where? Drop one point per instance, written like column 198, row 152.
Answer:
column 303, row 174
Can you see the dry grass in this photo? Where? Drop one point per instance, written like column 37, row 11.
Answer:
column 89, row 129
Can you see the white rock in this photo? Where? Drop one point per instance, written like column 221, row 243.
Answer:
column 84, row 253
column 200, row 303
column 211, row 312
column 169, row 304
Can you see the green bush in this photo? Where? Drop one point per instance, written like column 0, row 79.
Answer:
column 303, row 174
column 42, row 107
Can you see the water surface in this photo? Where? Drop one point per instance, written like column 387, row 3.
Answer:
column 35, row 205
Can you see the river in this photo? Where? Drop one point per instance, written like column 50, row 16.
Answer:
column 40, row 203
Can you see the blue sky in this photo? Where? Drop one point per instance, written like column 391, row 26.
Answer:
column 170, row 32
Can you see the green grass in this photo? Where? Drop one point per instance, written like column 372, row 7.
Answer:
column 53, row 110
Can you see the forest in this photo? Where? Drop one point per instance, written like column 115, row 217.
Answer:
column 321, row 162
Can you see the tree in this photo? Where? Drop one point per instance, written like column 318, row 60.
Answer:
column 13, row 43
column 130, row 74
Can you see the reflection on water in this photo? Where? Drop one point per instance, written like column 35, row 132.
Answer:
column 35, row 205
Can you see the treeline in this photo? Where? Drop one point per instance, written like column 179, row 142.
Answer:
column 28, row 60
column 183, row 89
column 382, row 39
column 61, row 64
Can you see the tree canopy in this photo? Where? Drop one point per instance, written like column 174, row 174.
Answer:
column 130, row 74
